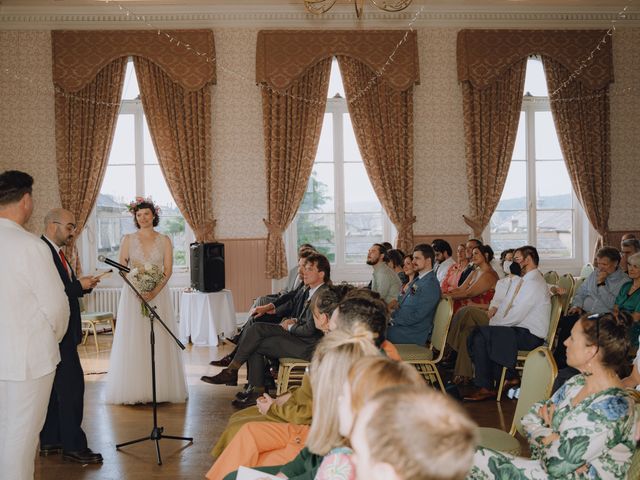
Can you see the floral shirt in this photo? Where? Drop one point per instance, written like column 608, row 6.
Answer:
column 595, row 439
column 337, row 465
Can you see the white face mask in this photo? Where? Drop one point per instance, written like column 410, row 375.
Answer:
column 506, row 266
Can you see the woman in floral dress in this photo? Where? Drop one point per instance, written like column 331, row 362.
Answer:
column 586, row 430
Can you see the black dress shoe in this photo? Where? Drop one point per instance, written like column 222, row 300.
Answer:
column 50, row 449
column 225, row 377
column 248, row 401
column 224, row 361
column 248, row 388
column 83, row 456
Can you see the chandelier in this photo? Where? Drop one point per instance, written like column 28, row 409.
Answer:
column 319, row 7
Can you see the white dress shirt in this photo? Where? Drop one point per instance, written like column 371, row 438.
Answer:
column 34, row 310
column 443, row 268
column 503, row 286
column 528, row 306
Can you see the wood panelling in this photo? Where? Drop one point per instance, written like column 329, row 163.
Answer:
column 244, row 263
column 453, row 239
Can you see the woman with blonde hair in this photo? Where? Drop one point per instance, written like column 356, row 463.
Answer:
column 333, row 357
column 367, row 376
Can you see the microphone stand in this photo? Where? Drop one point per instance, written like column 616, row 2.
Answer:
column 156, row 433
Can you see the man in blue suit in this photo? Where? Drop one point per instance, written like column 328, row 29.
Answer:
column 412, row 321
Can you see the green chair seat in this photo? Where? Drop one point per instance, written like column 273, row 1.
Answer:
column 409, row 352
column 499, row 440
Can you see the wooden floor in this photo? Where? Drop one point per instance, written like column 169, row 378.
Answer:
column 203, row 417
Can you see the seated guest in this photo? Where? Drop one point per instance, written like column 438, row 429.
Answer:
column 520, row 323
column 385, row 281
column 586, row 429
column 453, row 274
column 597, row 294
column 395, row 259
column 409, row 272
column 444, row 258
column 477, row 290
column 294, row 337
column 628, row 300
column 328, row 372
column 412, row 321
column 469, row 246
column 628, row 246
column 506, row 256
column 413, row 433
column 360, row 307
column 367, row 376
column 468, row 318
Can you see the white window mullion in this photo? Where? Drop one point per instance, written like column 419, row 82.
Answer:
column 339, row 186
column 139, row 149
column 531, row 172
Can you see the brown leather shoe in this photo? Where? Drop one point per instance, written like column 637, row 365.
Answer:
column 224, row 361
column 481, row 395
column 225, row 377
column 511, row 383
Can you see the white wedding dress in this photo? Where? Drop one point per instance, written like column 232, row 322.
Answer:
column 129, row 377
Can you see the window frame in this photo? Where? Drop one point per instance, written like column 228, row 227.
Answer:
column 581, row 226
column 340, row 270
column 88, row 241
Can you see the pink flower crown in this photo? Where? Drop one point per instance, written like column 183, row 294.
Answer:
column 132, row 206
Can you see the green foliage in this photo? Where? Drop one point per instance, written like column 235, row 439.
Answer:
column 314, row 232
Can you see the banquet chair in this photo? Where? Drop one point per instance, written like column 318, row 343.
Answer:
column 551, row 277
column 91, row 319
column 538, row 375
column 569, row 284
column 290, row 372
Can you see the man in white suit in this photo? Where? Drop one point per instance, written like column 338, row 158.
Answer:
column 34, row 313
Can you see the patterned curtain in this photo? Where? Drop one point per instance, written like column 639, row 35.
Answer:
column 382, row 120
column 85, row 125
column 180, row 126
column 292, row 120
column 581, row 116
column 491, row 117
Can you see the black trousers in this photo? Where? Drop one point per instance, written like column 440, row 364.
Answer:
column 564, row 331
column 264, row 339
column 66, row 404
column 493, row 348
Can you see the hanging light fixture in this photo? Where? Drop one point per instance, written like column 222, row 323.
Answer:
column 319, row 7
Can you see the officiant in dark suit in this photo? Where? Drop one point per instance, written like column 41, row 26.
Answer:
column 62, row 431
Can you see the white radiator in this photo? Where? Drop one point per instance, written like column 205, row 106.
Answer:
column 106, row 300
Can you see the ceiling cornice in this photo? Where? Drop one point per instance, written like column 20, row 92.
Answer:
column 293, row 16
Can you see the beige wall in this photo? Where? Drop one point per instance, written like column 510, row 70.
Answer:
column 27, row 130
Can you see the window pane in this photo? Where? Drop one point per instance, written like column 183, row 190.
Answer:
column 520, row 149
column 553, row 185
column 358, row 191
column 130, row 90
column 547, row 145
column 514, row 195
column 361, row 230
column 554, row 232
column 351, row 150
column 335, row 81
column 173, row 225
column 113, row 222
column 318, row 229
column 535, row 82
column 156, row 187
column 120, row 183
column 123, row 147
column 150, row 157
column 320, row 193
column 509, row 229
column 325, row 145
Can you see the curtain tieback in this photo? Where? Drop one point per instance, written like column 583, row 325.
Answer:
column 406, row 223
column 473, row 224
column 204, row 232
column 275, row 230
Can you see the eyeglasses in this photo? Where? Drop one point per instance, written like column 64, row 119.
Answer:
column 69, row 226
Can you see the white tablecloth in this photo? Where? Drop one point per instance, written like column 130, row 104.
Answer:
column 205, row 316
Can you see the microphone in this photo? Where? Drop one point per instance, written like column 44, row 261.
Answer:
column 113, row 263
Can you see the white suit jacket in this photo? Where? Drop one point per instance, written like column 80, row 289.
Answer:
column 34, row 309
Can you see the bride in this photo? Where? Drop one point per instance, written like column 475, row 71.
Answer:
column 129, row 377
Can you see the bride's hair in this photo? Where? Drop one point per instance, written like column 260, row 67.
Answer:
column 140, row 203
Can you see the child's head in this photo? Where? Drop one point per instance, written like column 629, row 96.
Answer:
column 325, row 302
column 362, row 306
column 328, row 371
column 368, row 376
column 413, row 433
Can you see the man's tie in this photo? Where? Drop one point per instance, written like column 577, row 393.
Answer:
column 64, row 262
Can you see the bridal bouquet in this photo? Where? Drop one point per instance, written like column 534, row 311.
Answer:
column 145, row 278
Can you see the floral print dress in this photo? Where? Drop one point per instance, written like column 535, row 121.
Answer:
column 595, row 439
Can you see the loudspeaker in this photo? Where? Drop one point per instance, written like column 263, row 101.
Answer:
column 207, row 266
